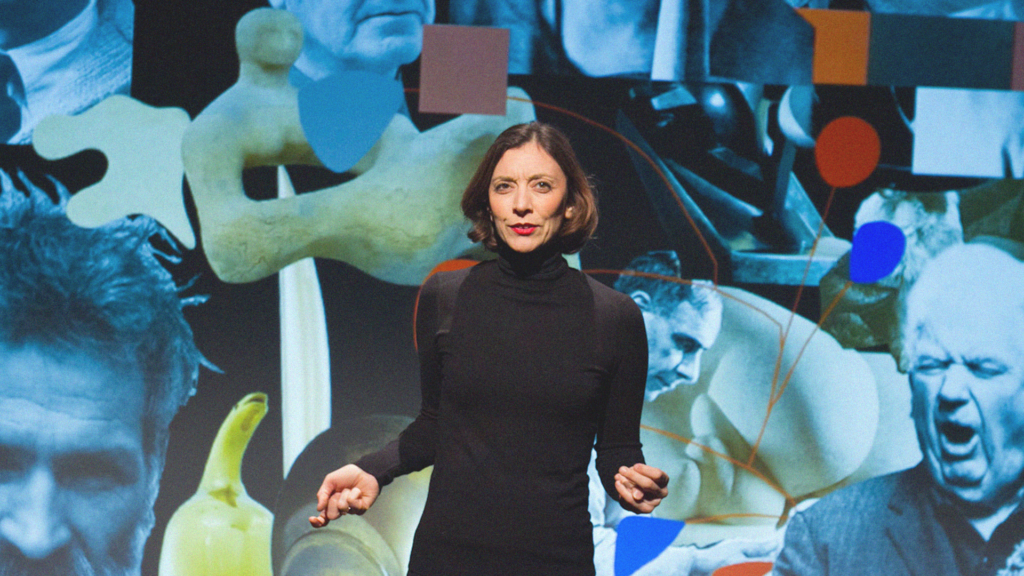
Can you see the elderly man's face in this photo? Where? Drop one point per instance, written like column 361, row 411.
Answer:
column 675, row 342
column 373, row 35
column 75, row 493
column 967, row 376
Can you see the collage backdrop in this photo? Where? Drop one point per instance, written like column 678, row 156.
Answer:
column 728, row 141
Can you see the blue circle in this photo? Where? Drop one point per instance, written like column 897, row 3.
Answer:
column 877, row 249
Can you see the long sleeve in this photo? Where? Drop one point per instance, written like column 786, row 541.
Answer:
column 618, row 435
column 525, row 362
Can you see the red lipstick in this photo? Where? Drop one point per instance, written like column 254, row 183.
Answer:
column 524, row 229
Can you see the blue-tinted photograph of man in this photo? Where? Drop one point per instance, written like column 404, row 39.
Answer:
column 96, row 358
column 682, row 319
column 60, row 57
column 959, row 510
column 340, row 35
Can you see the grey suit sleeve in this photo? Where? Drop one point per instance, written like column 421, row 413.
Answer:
column 801, row 553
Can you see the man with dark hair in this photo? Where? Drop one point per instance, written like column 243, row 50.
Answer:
column 95, row 360
column 959, row 510
column 682, row 318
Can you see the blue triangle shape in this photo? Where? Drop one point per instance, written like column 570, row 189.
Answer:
column 640, row 539
column 343, row 115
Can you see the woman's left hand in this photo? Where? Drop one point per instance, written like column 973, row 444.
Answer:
column 641, row 487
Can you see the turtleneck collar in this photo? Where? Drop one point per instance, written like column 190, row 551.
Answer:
column 544, row 263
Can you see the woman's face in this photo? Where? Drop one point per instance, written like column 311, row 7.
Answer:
column 527, row 197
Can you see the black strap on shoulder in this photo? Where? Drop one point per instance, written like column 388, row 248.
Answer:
column 447, row 294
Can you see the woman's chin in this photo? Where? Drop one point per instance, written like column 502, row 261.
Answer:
column 524, row 244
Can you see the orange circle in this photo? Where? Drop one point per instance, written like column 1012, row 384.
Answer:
column 847, row 151
column 744, row 569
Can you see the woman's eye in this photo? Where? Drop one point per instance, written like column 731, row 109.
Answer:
column 544, row 185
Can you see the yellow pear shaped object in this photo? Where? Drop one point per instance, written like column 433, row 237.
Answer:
column 221, row 531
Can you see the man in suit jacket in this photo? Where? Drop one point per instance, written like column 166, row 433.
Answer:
column 62, row 57
column 959, row 510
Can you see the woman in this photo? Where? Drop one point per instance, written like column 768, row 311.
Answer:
column 523, row 361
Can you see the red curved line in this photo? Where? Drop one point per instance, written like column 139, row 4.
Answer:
column 776, row 390
column 717, row 517
column 648, row 159
column 774, row 395
column 635, row 148
column 778, row 358
column 824, row 316
column 726, row 457
column 810, row 257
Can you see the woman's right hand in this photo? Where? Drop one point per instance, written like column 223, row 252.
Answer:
column 347, row 490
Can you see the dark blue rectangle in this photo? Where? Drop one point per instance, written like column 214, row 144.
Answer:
column 910, row 50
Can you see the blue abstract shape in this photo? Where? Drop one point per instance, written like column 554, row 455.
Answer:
column 640, row 540
column 344, row 114
column 877, row 250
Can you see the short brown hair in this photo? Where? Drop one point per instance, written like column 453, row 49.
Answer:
column 576, row 230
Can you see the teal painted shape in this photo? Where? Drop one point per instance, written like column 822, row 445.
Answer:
column 640, row 539
column 345, row 114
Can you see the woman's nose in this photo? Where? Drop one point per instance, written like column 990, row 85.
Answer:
column 521, row 204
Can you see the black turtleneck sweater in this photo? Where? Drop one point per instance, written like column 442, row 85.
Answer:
column 523, row 363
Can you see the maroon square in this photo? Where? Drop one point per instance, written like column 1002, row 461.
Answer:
column 464, row 70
